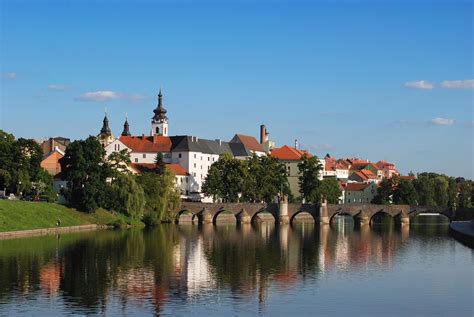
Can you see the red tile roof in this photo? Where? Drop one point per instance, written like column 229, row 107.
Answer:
column 250, row 142
column 288, row 153
column 147, row 167
column 355, row 186
column 147, row 144
column 385, row 165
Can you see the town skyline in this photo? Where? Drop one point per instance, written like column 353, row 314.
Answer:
column 415, row 112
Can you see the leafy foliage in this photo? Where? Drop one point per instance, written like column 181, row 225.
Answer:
column 330, row 190
column 310, row 185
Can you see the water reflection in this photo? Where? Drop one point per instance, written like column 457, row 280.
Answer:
column 176, row 268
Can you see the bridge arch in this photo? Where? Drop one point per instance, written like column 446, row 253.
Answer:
column 222, row 212
column 381, row 214
column 263, row 211
column 416, row 215
column 341, row 212
column 184, row 212
column 293, row 218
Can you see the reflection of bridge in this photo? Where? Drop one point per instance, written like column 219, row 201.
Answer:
column 286, row 213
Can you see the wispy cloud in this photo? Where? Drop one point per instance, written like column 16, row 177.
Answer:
column 58, row 87
column 442, row 121
column 9, row 76
column 458, row 84
column 318, row 147
column 108, row 95
column 420, row 84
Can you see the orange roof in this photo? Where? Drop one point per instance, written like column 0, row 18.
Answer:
column 288, row 153
column 355, row 186
column 147, row 143
column 147, row 167
column 385, row 165
column 250, row 142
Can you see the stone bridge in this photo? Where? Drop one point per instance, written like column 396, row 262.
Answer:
column 286, row 213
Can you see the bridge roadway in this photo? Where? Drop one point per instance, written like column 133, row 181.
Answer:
column 285, row 213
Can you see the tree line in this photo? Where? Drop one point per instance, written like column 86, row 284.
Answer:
column 20, row 168
column 427, row 189
column 95, row 181
column 265, row 179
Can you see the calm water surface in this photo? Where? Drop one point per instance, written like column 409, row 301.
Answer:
column 190, row 270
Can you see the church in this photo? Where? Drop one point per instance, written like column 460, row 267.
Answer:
column 188, row 157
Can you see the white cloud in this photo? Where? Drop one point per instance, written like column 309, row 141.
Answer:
column 9, row 76
column 107, row 95
column 57, row 87
column 458, row 84
column 442, row 121
column 99, row 96
column 420, row 84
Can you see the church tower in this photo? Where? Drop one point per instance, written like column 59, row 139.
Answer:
column 105, row 136
column 126, row 128
column 159, row 122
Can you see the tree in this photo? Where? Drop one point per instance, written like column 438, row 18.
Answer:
column 86, row 171
column 126, row 196
column 161, row 197
column 384, row 192
column 225, row 179
column 310, row 185
column 405, row 193
column 119, row 161
column 440, row 190
column 465, row 194
column 331, row 190
column 425, row 189
column 452, row 192
column 160, row 164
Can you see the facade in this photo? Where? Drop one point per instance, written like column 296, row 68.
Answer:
column 291, row 156
column 334, row 168
column 388, row 169
column 356, row 193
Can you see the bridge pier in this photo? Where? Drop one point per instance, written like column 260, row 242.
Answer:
column 323, row 213
column 362, row 218
column 403, row 219
column 243, row 217
column 283, row 212
column 205, row 216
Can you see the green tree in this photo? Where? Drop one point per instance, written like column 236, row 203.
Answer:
column 405, row 193
column 162, row 199
column 331, row 190
column 160, row 164
column 465, row 194
column 310, row 185
column 225, row 179
column 119, row 161
column 425, row 189
column 126, row 196
column 86, row 171
column 453, row 192
column 441, row 190
column 384, row 192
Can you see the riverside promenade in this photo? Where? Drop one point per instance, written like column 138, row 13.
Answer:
column 463, row 231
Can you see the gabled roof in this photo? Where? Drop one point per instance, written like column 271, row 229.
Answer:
column 147, row 167
column 186, row 143
column 288, row 153
column 355, row 186
column 147, row 144
column 248, row 141
column 56, row 150
column 385, row 165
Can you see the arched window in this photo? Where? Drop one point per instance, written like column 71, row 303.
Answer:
column 157, row 130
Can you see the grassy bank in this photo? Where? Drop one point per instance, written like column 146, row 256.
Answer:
column 22, row 215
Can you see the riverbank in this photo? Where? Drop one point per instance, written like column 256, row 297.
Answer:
column 26, row 216
column 463, row 231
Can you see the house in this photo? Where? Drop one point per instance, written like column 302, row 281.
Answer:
column 388, row 169
column 291, row 156
column 334, row 168
column 356, row 193
column 49, row 145
column 363, row 176
column 51, row 164
column 368, row 167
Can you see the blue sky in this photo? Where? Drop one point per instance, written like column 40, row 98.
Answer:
column 375, row 79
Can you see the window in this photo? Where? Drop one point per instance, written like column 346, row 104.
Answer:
column 144, row 155
column 136, row 160
column 194, row 155
column 348, row 200
column 201, row 166
column 180, row 155
column 194, row 174
column 208, row 158
column 165, row 130
column 157, row 130
column 194, row 165
column 186, row 180
column 201, row 157
column 118, row 147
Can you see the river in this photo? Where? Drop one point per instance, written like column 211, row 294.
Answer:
column 224, row 270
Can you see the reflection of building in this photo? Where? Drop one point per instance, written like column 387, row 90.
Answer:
column 50, row 277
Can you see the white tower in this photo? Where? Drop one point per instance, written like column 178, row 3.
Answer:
column 159, row 122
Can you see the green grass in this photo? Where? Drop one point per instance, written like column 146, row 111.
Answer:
column 22, row 215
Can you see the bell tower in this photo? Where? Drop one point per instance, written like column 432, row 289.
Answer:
column 159, row 122
column 105, row 136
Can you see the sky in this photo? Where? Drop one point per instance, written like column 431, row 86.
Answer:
column 388, row 80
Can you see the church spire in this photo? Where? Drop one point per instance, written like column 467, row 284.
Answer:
column 126, row 127
column 160, row 111
column 105, row 126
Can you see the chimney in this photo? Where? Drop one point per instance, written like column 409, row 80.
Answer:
column 220, row 141
column 263, row 134
column 51, row 144
column 296, row 143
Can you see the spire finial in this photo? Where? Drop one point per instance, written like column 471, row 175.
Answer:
column 105, row 111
